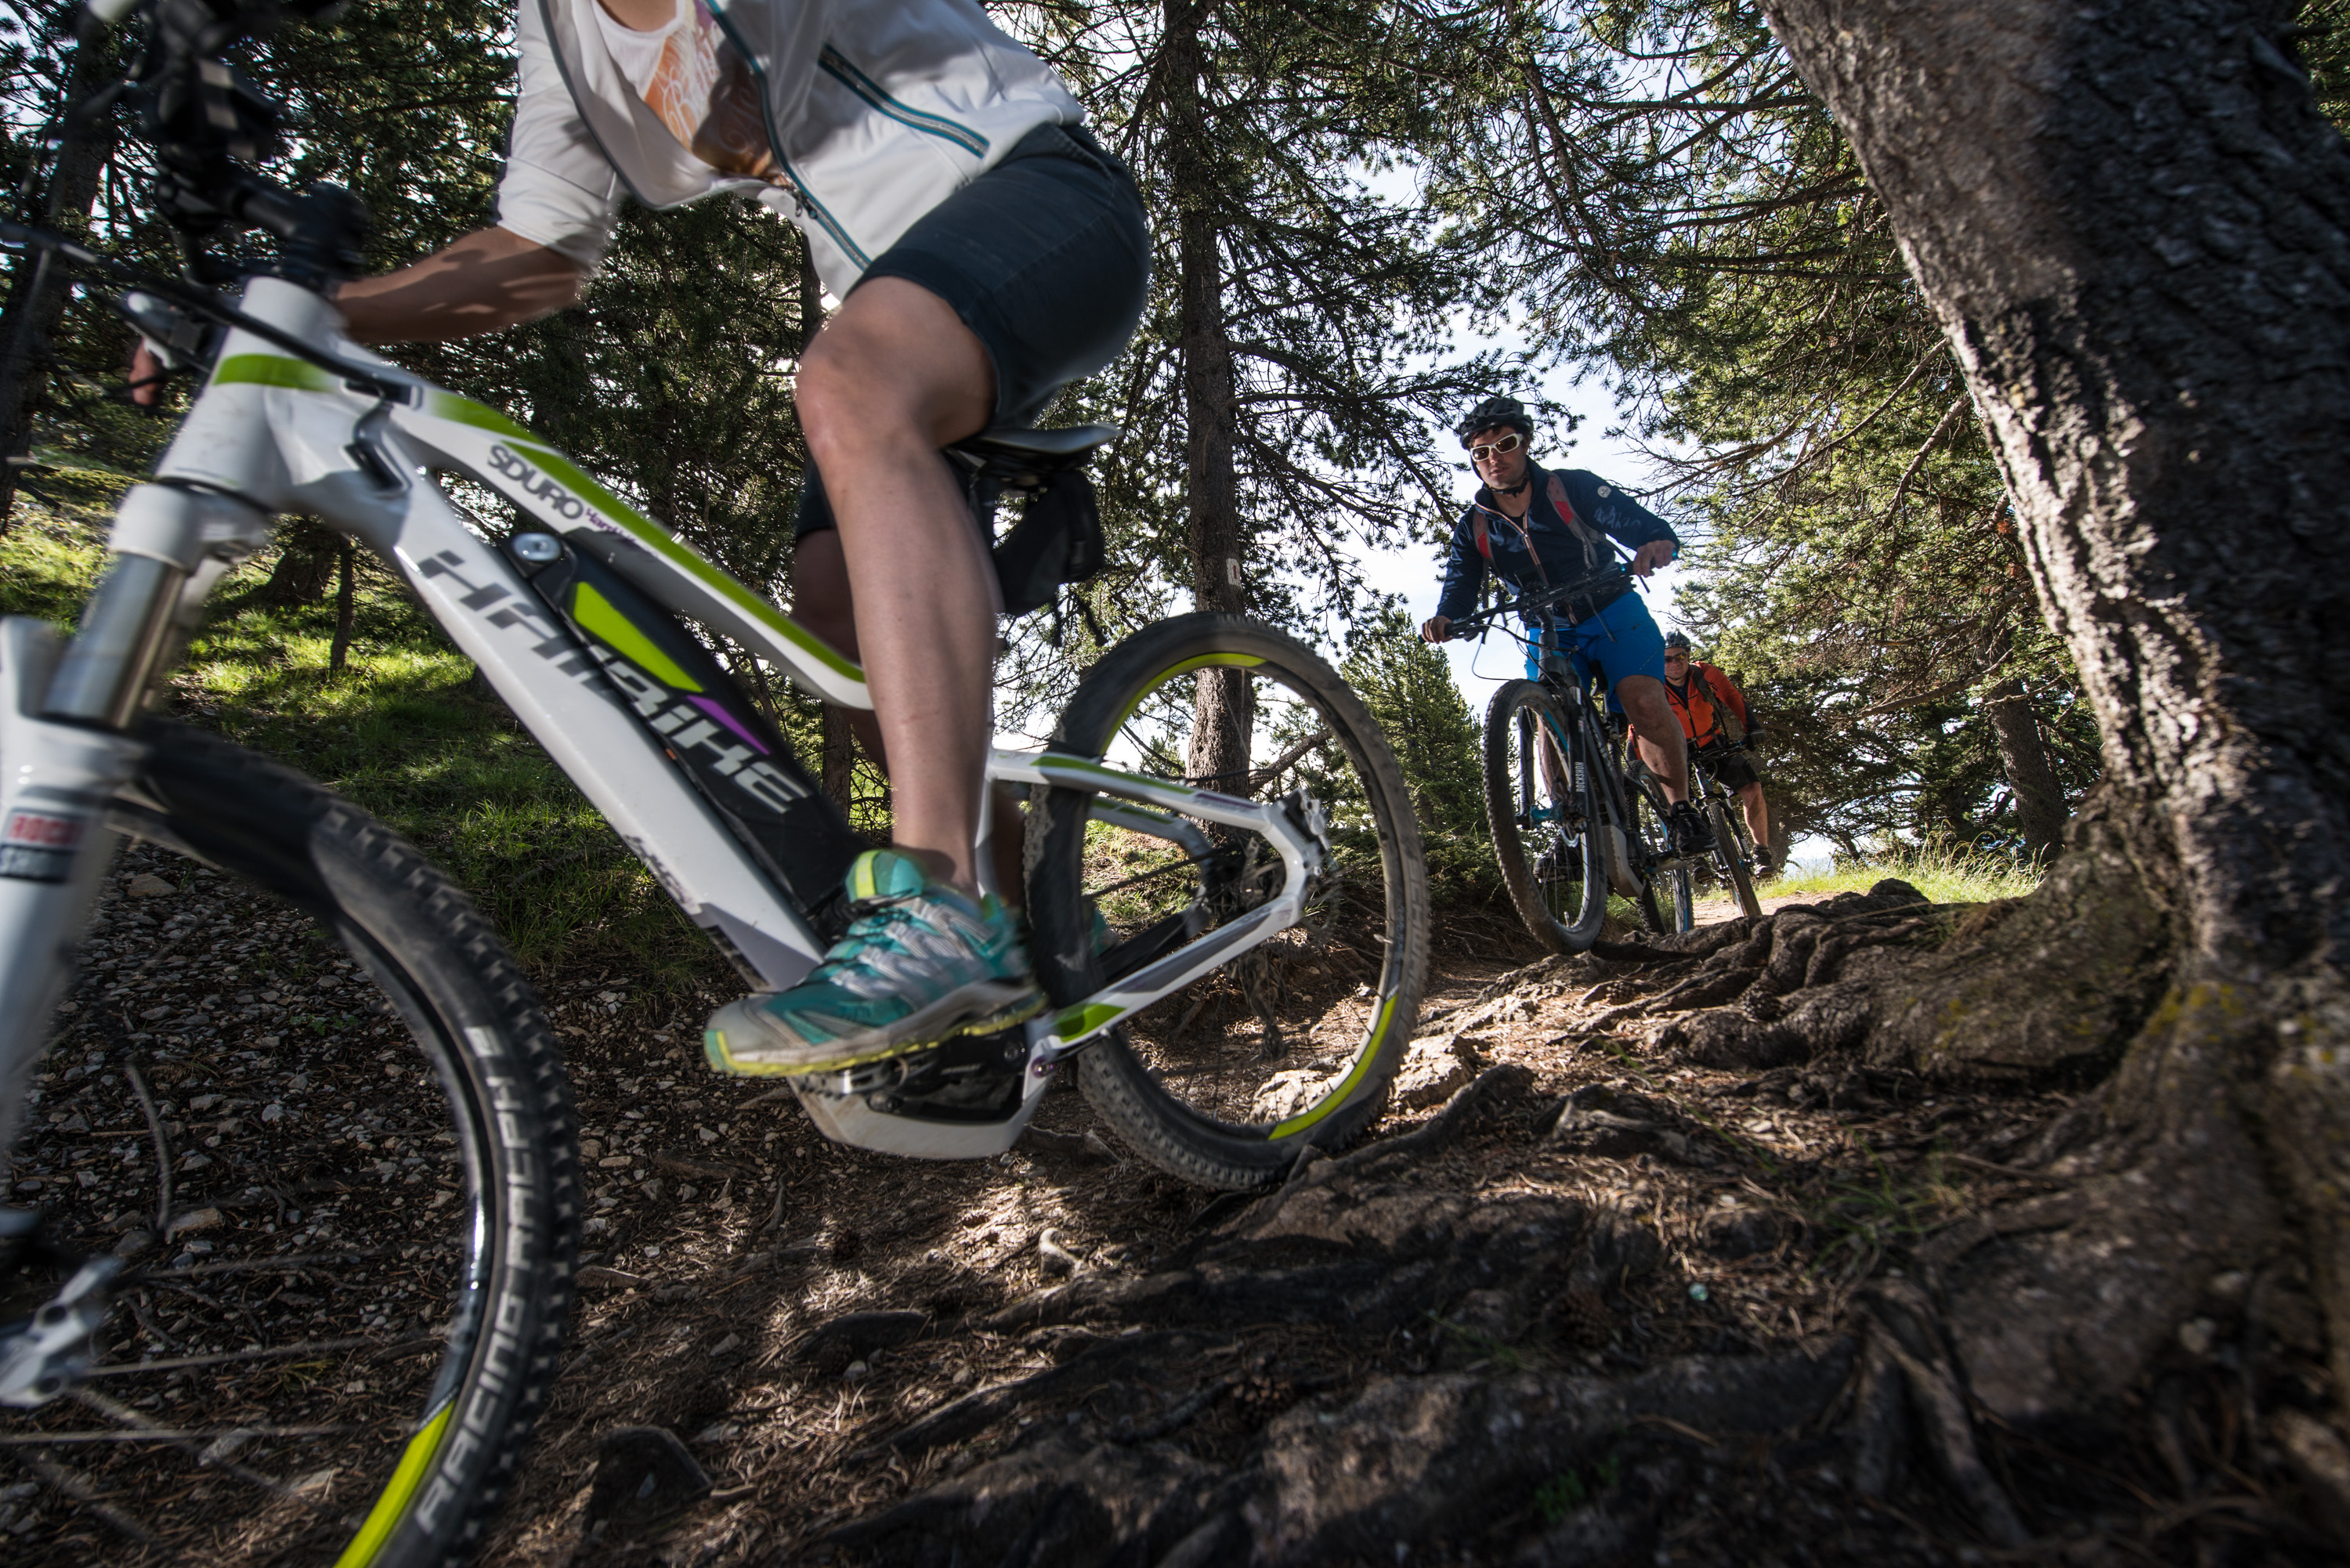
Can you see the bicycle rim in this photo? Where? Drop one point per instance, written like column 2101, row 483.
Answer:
column 1294, row 1041
column 337, row 1333
column 1538, row 809
column 1665, row 897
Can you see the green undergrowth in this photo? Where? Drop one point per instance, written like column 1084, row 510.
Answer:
column 1946, row 875
column 408, row 733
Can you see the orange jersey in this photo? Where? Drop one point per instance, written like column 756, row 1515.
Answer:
column 1711, row 709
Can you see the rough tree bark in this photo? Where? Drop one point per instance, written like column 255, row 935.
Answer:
column 1225, row 721
column 2023, row 757
column 2135, row 228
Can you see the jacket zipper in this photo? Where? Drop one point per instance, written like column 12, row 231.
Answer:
column 836, row 66
column 808, row 203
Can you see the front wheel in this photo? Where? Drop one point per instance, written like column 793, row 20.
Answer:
column 1729, row 853
column 1668, row 898
column 1293, row 1042
column 1538, row 805
column 351, row 1277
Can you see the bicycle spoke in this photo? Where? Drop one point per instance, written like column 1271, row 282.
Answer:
column 271, row 1359
column 259, row 1353
column 170, row 1435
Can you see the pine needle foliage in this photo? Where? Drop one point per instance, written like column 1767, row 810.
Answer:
column 1688, row 214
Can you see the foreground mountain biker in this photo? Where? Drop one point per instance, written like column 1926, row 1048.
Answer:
column 1541, row 529
column 1714, row 720
column 985, row 252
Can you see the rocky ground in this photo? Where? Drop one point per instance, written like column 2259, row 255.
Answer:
column 1585, row 1296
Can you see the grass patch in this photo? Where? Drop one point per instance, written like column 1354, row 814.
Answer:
column 1945, row 874
column 1568, row 1490
column 408, row 733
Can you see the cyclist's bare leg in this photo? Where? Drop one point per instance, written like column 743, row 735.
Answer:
column 1758, row 812
column 893, row 377
column 1643, row 700
column 822, row 602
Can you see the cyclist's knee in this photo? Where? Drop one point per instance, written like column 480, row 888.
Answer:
column 894, row 366
column 1643, row 697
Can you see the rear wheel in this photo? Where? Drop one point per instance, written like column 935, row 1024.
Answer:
column 342, row 1315
column 1537, row 805
column 1223, row 1081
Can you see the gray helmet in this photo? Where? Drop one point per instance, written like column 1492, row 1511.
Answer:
column 1494, row 411
column 1677, row 639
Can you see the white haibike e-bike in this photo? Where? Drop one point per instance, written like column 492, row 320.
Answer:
column 343, row 1324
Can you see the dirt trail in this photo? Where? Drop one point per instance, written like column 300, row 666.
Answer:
column 1577, row 1299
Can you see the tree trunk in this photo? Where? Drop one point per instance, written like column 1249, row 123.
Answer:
column 2039, row 799
column 1224, row 719
column 811, row 300
column 306, row 555
column 2135, row 229
column 37, row 293
column 345, row 606
column 837, row 767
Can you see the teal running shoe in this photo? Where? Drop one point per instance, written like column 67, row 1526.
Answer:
column 920, row 962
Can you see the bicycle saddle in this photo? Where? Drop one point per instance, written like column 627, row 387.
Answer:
column 1053, row 445
column 1024, row 457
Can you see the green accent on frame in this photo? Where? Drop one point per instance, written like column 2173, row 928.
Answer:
column 1338, row 1096
column 271, row 370
column 391, row 1507
column 481, row 416
column 1083, row 1018
column 653, row 537
column 601, row 617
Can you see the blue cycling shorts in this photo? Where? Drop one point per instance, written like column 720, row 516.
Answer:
column 1621, row 639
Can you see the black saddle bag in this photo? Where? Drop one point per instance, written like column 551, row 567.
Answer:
column 1058, row 540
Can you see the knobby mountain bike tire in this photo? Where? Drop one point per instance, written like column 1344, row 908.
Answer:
column 1659, row 873
column 1538, row 800
column 1731, row 856
column 1224, row 1082
column 374, row 1200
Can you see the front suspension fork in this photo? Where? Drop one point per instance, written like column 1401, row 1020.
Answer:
column 66, row 752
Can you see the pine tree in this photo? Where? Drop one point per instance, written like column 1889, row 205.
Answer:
column 1279, row 395
column 1409, row 686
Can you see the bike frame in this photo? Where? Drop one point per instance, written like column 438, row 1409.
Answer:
column 294, row 417
column 1590, row 723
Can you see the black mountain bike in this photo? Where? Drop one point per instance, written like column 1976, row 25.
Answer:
column 1734, row 856
column 1570, row 822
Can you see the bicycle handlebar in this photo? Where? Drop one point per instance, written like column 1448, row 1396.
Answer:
column 1536, row 603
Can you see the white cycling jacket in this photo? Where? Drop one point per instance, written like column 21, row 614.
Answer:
column 877, row 110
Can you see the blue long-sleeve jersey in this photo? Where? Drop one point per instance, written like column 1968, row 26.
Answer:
column 1568, row 554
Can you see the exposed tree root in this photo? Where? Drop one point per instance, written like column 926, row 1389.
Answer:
column 2141, row 1218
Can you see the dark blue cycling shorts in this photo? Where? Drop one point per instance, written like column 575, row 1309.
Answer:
column 1621, row 639
column 1045, row 257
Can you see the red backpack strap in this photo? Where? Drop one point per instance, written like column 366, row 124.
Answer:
column 1477, row 531
column 1566, row 514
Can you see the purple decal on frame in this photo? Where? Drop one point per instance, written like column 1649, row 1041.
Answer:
column 724, row 717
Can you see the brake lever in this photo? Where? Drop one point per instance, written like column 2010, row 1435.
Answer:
column 176, row 338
